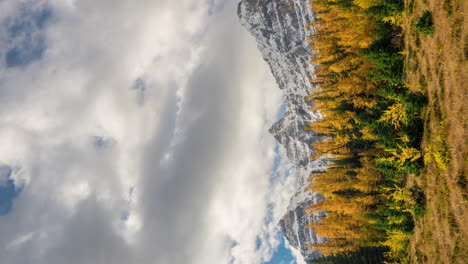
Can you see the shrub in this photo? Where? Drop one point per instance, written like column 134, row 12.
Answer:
column 425, row 24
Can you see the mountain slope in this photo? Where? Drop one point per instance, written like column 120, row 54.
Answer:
column 280, row 29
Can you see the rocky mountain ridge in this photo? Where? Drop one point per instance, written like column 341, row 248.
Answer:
column 280, row 29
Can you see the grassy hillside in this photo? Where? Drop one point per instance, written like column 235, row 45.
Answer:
column 436, row 65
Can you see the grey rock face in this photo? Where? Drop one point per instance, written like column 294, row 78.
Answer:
column 279, row 26
column 293, row 226
column 280, row 29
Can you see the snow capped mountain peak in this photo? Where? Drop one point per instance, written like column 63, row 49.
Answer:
column 280, row 29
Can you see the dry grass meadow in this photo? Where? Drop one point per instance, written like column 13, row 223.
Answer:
column 437, row 66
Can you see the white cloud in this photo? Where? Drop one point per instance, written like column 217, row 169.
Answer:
column 176, row 171
column 20, row 240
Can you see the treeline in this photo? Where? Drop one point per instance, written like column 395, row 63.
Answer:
column 374, row 129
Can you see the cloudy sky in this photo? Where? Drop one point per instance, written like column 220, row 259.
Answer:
column 135, row 131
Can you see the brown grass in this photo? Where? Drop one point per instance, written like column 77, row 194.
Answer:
column 437, row 66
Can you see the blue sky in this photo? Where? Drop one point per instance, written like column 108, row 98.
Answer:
column 8, row 190
column 27, row 42
column 282, row 254
column 8, row 193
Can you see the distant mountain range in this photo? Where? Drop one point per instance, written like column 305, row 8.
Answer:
column 280, row 29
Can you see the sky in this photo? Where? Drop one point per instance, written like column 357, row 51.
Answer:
column 136, row 131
